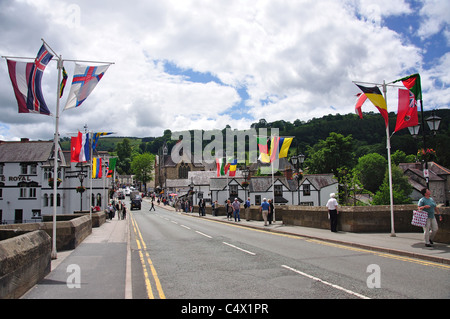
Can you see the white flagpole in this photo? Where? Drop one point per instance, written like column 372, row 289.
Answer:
column 388, row 146
column 54, row 253
column 90, row 191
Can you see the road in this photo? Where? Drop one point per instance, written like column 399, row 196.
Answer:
column 179, row 256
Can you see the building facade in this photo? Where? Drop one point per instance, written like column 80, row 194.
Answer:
column 26, row 183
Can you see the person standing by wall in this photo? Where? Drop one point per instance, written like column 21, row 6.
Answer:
column 247, row 209
column 332, row 206
column 264, row 209
column 236, row 210
column 427, row 204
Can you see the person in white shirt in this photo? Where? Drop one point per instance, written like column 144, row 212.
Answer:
column 332, row 206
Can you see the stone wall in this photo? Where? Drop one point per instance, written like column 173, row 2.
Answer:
column 25, row 259
column 358, row 219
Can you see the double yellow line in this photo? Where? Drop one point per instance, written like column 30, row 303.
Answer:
column 142, row 248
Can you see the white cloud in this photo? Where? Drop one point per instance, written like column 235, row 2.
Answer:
column 296, row 59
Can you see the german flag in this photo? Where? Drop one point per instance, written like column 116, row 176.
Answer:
column 375, row 96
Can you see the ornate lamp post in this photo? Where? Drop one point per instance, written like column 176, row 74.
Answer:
column 433, row 122
column 297, row 161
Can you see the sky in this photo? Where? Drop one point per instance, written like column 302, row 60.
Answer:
column 199, row 64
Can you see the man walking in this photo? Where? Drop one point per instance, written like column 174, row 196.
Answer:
column 236, row 208
column 265, row 208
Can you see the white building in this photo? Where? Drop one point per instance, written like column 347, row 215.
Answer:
column 26, row 173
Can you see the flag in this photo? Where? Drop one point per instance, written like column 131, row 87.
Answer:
column 222, row 167
column 35, row 99
column 233, row 167
column 375, row 96
column 96, row 137
column 84, row 80
column 97, row 167
column 63, row 82
column 413, row 84
column 263, row 149
column 79, row 148
column 26, row 79
column 274, row 144
column 407, row 110
column 284, row 144
column 361, row 99
column 111, row 166
column 19, row 73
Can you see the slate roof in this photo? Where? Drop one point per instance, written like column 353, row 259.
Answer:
column 25, row 151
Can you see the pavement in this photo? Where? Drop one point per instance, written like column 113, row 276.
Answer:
column 108, row 248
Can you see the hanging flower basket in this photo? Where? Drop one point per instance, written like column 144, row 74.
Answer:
column 426, row 155
column 245, row 184
column 81, row 189
column 50, row 182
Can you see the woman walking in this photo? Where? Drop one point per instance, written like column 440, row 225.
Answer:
column 427, row 204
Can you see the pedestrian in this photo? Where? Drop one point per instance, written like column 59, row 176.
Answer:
column 153, row 205
column 213, row 208
column 110, row 210
column 264, row 209
column 201, row 207
column 332, row 206
column 236, row 209
column 270, row 215
column 427, row 204
column 118, row 209
column 229, row 210
column 247, row 209
column 124, row 212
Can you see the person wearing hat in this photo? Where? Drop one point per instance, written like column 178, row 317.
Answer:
column 236, row 208
column 265, row 208
column 332, row 206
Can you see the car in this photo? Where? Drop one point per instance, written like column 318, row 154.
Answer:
column 120, row 195
column 135, row 203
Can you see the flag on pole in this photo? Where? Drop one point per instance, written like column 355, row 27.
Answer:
column 79, row 148
column 284, row 144
column 63, row 82
column 96, row 137
column 84, row 80
column 26, row 79
column 35, row 99
column 222, row 167
column 375, row 96
column 19, row 73
column 413, row 84
column 111, row 166
column 407, row 110
column 97, row 167
column 264, row 156
column 359, row 102
column 233, row 167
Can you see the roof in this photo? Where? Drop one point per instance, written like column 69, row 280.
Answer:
column 320, row 180
column 25, row 151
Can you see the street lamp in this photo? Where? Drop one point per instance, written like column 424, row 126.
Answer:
column 297, row 161
column 433, row 122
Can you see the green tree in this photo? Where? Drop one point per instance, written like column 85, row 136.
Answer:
column 123, row 150
column 142, row 167
column 328, row 155
column 370, row 168
column 401, row 189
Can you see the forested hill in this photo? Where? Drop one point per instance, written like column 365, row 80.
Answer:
column 368, row 133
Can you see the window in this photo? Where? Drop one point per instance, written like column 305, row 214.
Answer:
column 99, row 199
column 36, row 214
column 234, row 191
column 1, row 168
column 27, row 190
column 23, row 169
column 257, row 199
column 306, row 189
column 33, row 169
column 183, row 170
column 45, row 200
column 279, row 190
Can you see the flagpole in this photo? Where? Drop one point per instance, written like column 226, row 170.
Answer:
column 90, row 191
column 388, row 146
column 54, row 254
